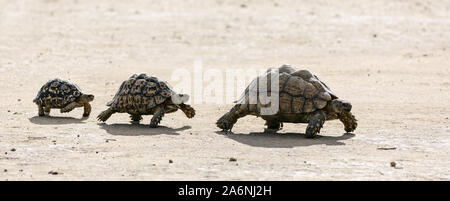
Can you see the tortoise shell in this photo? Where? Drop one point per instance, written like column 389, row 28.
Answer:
column 140, row 93
column 57, row 93
column 299, row 91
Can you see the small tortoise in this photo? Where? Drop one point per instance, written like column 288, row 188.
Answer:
column 58, row 93
column 146, row 95
column 303, row 98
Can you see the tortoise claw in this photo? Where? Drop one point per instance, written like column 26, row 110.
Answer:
column 225, row 126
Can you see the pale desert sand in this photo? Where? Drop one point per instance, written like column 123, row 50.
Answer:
column 389, row 58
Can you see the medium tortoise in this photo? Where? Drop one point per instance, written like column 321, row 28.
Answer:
column 303, row 98
column 58, row 93
column 146, row 95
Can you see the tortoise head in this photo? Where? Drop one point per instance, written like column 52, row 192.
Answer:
column 179, row 98
column 87, row 97
column 339, row 106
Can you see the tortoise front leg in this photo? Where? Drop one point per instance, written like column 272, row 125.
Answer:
column 348, row 120
column 227, row 121
column 47, row 110
column 187, row 110
column 41, row 110
column 135, row 118
column 105, row 114
column 87, row 109
column 315, row 124
column 69, row 107
column 157, row 117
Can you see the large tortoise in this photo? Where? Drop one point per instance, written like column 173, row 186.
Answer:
column 146, row 95
column 62, row 94
column 303, row 98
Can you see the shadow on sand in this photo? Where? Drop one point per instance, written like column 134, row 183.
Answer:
column 284, row 140
column 139, row 129
column 51, row 120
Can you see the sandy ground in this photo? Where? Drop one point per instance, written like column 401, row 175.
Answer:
column 389, row 58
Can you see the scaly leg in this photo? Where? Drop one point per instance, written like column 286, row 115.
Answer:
column 87, row 109
column 105, row 114
column 227, row 121
column 157, row 117
column 41, row 110
column 47, row 110
column 315, row 124
column 69, row 107
column 349, row 121
column 188, row 110
column 135, row 118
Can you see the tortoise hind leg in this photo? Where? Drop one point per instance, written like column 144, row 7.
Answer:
column 135, row 118
column 273, row 126
column 227, row 121
column 315, row 124
column 157, row 117
column 348, row 120
column 105, row 114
